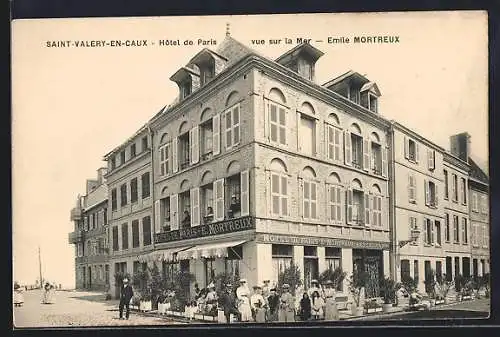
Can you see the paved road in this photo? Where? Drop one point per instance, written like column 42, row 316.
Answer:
column 460, row 310
column 73, row 308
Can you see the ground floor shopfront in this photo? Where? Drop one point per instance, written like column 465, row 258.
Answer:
column 92, row 276
column 480, row 265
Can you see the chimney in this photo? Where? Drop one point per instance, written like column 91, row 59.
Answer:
column 460, row 146
column 100, row 175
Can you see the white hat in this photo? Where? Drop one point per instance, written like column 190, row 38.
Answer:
column 211, row 285
column 125, row 279
column 243, row 280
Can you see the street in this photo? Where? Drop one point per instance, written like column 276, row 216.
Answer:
column 461, row 310
column 76, row 308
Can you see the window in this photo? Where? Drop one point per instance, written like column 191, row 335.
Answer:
column 310, row 200
column 412, row 189
column 124, row 236
column 79, row 247
column 373, row 103
column 122, row 157
column 207, row 71
column 232, row 126
column 133, row 190
column 105, row 216
column 454, row 187
column 439, row 270
column 206, row 139
column 277, row 123
column 169, row 269
column 282, row 256
column 405, row 269
column 333, row 258
column 354, row 94
column 437, row 225
column 428, row 232
column 185, row 88
column 475, row 207
column 377, row 210
column 415, row 270
column 184, row 151
column 207, row 202
column 445, row 184
column 279, row 194
column 333, row 140
column 463, row 190
column 456, row 237
column 233, row 260
column 115, row 238
column 457, row 265
column 465, row 233
column 210, row 270
column 132, row 151
column 355, row 207
column 114, row 202
column 123, row 195
column 431, row 159
column 431, row 199
column 112, row 162
column 484, row 204
column 233, row 196
column 135, row 233
column 447, row 227
column 307, row 135
column 376, row 158
column 357, row 150
column 165, row 164
column 306, row 70
column 334, row 201
column 145, row 144
column 146, row 231
column 185, row 209
column 145, row 185
column 412, row 150
column 485, row 236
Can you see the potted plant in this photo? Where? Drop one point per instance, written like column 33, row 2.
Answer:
column 388, row 288
column 356, row 285
column 442, row 289
column 290, row 275
column 140, row 281
column 155, row 285
column 336, row 275
column 372, row 306
column 459, row 283
column 467, row 289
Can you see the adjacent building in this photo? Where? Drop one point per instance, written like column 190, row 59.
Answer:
column 90, row 235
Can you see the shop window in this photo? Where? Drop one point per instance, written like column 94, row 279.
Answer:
column 135, row 233
column 123, row 195
column 233, row 196
column 282, row 256
column 307, row 135
column 310, row 265
column 405, row 270
column 184, row 151
column 233, row 261
column 466, row 266
column 124, row 236
column 146, row 231
column 169, row 269
column 207, row 203
column 206, row 145
column 185, row 209
column 333, row 260
column 165, row 214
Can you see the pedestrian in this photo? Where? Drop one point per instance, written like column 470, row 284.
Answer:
column 286, row 312
column 258, row 305
column 46, row 294
column 317, row 305
column 211, row 300
column 273, row 303
column 126, row 294
column 228, row 302
column 314, row 287
column 243, row 295
column 305, row 307
column 331, row 311
column 18, row 295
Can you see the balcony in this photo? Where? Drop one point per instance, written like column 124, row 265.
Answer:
column 207, row 230
column 92, row 259
column 76, row 214
column 76, row 236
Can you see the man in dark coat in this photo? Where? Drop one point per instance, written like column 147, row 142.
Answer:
column 228, row 302
column 126, row 294
column 273, row 302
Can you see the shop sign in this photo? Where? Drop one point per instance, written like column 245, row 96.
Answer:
column 321, row 241
column 216, row 228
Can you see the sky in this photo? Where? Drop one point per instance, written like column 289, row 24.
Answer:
column 72, row 105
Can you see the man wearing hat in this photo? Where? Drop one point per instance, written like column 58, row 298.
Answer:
column 126, row 294
column 258, row 305
column 272, row 301
column 228, row 302
column 286, row 311
column 243, row 295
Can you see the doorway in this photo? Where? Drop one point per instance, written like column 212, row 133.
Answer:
column 310, row 265
column 90, row 278
column 371, row 263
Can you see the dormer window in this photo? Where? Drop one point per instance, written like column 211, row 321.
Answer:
column 302, row 60
column 187, row 79
column 207, row 62
column 185, row 89
column 207, row 72
column 373, row 103
column 357, row 88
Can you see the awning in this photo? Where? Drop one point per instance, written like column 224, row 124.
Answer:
column 161, row 255
column 208, row 250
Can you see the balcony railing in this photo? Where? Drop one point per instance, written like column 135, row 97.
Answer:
column 76, row 236
column 92, row 259
column 76, row 214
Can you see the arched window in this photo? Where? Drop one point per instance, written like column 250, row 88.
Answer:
column 307, row 108
column 163, row 138
column 183, row 128
column 355, row 129
column 334, row 119
column 334, row 193
column 233, row 168
column 279, row 188
column 309, row 194
column 232, row 98
column 232, row 120
column 277, row 95
column 206, row 114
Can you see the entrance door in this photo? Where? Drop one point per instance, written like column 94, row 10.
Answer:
column 449, row 269
column 475, row 268
column 310, row 271
column 370, row 262
column 184, row 268
column 84, row 278
column 90, row 277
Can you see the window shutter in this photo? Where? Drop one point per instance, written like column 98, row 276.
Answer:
column 175, row 164
column 429, row 159
column 410, row 190
column 433, row 234
column 416, row 152
column 339, row 204
column 425, row 231
column 228, row 137
column 366, row 155
column 368, row 208
column 347, row 148
column 162, row 159
column 299, row 128
column 407, row 148
column 426, row 185
column 436, row 196
column 195, row 145
column 338, row 143
column 384, row 162
column 195, row 206
column 174, row 216
column 216, row 134
column 380, row 210
column 329, row 146
column 219, row 199
column 349, row 206
column 158, row 223
column 245, row 200
column 329, row 202
column 304, row 210
column 313, row 204
column 282, row 129
column 236, row 124
column 433, row 159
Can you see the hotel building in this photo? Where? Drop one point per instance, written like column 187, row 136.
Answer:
column 90, row 235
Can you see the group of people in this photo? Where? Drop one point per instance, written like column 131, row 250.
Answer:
column 266, row 305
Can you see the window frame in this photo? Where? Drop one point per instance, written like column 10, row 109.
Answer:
column 283, row 198
column 123, row 195
column 230, row 130
column 144, row 194
column 165, row 163
column 281, row 129
column 134, row 193
column 337, row 190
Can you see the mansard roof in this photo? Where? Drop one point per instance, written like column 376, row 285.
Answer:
column 477, row 173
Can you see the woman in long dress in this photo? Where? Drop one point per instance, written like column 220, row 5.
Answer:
column 243, row 295
column 317, row 305
column 331, row 311
column 46, row 294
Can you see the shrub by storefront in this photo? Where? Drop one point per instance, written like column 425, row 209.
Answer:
column 291, row 276
column 443, row 287
column 388, row 289
column 430, row 286
column 372, row 306
column 336, row 275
